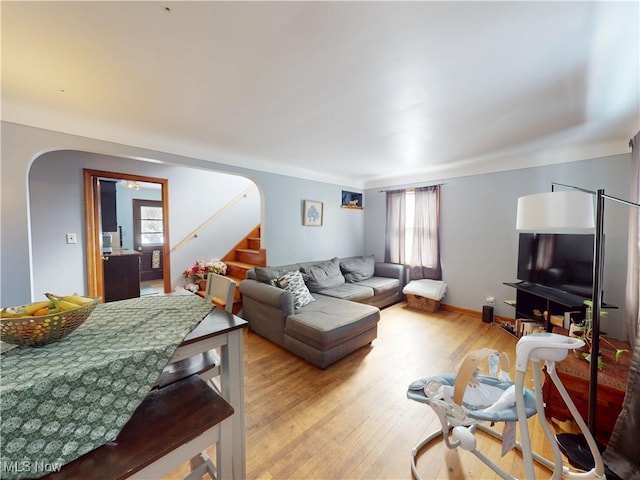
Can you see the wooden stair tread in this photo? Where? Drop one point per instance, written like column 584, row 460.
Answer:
column 246, row 255
column 237, row 263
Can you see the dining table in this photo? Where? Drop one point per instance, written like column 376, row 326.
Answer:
column 63, row 400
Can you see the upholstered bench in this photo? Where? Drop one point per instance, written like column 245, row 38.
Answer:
column 328, row 329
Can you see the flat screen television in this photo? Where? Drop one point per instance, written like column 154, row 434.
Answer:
column 561, row 261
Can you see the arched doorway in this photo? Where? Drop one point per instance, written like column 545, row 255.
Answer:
column 57, row 206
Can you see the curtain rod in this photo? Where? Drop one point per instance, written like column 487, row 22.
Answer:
column 412, row 188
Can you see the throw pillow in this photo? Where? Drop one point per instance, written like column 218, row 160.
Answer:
column 271, row 274
column 356, row 269
column 323, row 275
column 293, row 283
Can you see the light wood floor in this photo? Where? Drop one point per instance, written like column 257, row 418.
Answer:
column 353, row 420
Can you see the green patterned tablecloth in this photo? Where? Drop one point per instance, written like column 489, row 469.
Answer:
column 65, row 399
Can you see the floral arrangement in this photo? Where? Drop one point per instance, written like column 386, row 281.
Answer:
column 199, row 271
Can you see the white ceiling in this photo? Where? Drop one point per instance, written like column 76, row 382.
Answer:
column 363, row 93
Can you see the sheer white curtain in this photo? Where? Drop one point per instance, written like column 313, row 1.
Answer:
column 425, row 254
column 623, row 452
column 412, row 233
column 394, row 247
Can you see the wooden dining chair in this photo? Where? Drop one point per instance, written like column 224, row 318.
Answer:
column 220, row 290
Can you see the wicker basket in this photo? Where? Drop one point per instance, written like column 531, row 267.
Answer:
column 422, row 303
column 38, row 331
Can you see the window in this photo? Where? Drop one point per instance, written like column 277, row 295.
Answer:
column 412, row 233
column 147, row 223
column 151, row 225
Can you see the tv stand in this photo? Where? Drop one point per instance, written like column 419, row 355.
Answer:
column 532, row 298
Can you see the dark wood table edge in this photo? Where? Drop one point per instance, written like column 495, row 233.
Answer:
column 216, row 322
column 166, row 419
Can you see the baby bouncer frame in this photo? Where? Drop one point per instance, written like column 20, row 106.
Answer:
column 465, row 401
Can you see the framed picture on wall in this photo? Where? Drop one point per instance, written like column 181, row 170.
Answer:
column 352, row 200
column 312, row 213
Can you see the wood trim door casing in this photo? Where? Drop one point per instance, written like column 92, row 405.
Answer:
column 92, row 235
column 95, row 284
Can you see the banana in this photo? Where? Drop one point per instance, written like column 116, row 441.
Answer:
column 12, row 312
column 77, row 299
column 60, row 303
column 63, row 305
column 34, row 307
column 23, row 310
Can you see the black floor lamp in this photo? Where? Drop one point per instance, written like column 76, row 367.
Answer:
column 571, row 211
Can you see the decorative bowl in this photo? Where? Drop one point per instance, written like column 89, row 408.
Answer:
column 45, row 329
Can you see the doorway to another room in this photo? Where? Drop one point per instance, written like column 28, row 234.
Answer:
column 138, row 235
column 66, row 241
column 148, row 237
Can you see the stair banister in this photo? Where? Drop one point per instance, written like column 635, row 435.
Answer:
column 195, row 232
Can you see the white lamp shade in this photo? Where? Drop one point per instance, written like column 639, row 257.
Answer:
column 556, row 212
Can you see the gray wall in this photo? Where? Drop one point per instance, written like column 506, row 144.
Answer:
column 56, row 208
column 479, row 241
column 478, row 237
column 281, row 198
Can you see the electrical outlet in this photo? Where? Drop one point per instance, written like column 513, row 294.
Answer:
column 71, row 238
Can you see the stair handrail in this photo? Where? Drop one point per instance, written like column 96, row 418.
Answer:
column 194, row 233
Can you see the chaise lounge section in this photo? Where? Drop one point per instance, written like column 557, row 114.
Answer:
column 320, row 311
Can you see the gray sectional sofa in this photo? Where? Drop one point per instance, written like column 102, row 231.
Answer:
column 324, row 310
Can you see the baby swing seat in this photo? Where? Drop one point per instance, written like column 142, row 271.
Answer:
column 466, row 400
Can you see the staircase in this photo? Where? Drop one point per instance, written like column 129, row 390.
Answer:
column 246, row 255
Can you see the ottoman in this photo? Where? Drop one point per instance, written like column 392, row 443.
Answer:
column 425, row 294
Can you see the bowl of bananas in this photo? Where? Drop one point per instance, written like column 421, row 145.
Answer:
column 45, row 322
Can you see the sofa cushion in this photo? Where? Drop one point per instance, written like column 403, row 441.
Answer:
column 322, row 275
column 269, row 274
column 381, row 285
column 356, row 269
column 349, row 291
column 293, row 283
column 330, row 321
